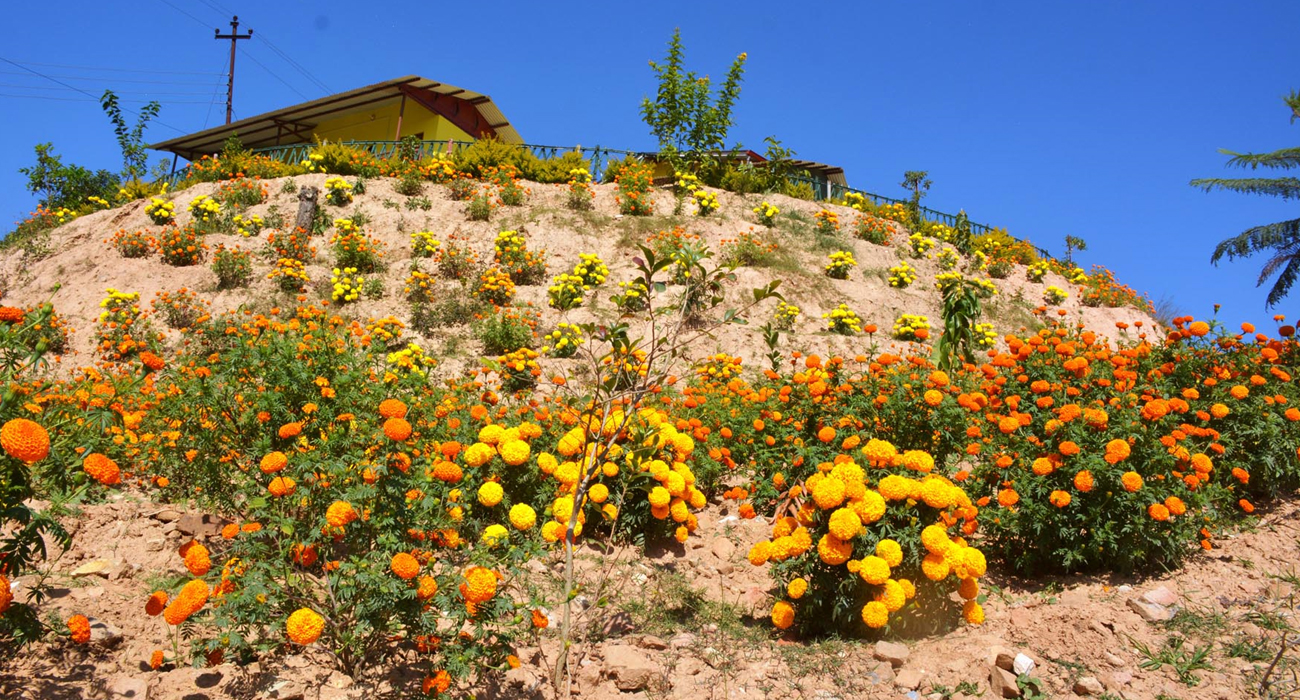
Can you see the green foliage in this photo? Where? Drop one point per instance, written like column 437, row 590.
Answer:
column 961, row 311
column 505, row 331
column 130, row 140
column 479, row 157
column 60, row 185
column 686, row 115
column 232, row 266
column 918, row 182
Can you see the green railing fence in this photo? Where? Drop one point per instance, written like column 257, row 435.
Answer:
column 599, row 157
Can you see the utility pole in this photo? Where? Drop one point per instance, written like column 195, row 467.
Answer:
column 233, row 36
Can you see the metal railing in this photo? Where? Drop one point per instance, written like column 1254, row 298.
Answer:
column 599, row 158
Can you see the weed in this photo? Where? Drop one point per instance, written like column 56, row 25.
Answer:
column 1172, row 654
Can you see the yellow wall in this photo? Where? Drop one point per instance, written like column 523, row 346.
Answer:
column 380, row 124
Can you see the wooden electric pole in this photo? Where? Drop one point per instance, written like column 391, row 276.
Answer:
column 233, row 36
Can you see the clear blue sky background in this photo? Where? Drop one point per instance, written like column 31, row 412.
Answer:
column 1048, row 118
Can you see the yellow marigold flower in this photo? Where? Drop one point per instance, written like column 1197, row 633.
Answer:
column 514, row 452
column 681, row 533
column 490, row 434
column 875, row 614
column 490, row 493
column 828, row 493
column 571, row 442
column 782, row 614
column 547, row 463
column 304, row 626
column 567, row 473
column 833, row 550
column 845, row 524
column 659, row 496
column 973, row 612
column 552, row 531
column 760, row 553
column 796, row 588
column 870, row 508
column 562, row 509
column 935, row 567
column 478, row 454
column 782, row 548
column 936, row 493
column 968, row 589
column 678, row 510
column 522, row 516
column 935, row 539
column 918, row 460
column 895, row 487
column 874, row 570
column 495, row 534
column 675, row 484
column 893, row 596
column 405, row 566
column 909, row 588
column 879, row 452
column 890, row 551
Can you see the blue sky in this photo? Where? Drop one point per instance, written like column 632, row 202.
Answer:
column 1046, row 118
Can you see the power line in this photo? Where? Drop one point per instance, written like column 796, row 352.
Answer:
column 196, row 19
column 217, row 8
column 273, row 74
column 91, row 99
column 87, row 94
column 120, row 92
column 289, row 59
column 87, row 79
column 216, row 92
column 114, row 70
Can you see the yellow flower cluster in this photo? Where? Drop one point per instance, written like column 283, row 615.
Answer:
column 920, row 244
column 686, row 182
column 338, row 191
column 828, row 222
column 291, row 274
column 985, row 336
column 423, row 244
column 911, row 327
column 1055, row 295
column 564, row 341
column 495, row 287
column 857, row 201
column 786, row 315
column 1077, row 276
column 901, row 275
column 841, row 262
column 347, row 285
column 580, row 175
column 160, row 211
column 566, row 292
column 948, row 258
column 312, row 163
column 591, row 270
column 843, row 320
column 1037, row 271
column 118, row 307
column 249, row 227
column 519, row 369
column 204, row 208
column 719, row 367
column 979, row 262
column 385, row 330
column 766, row 213
column 410, row 360
column 419, row 287
column 705, row 202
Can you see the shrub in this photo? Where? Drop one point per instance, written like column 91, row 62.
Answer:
column 911, row 327
column 524, row 266
column 766, row 214
column 484, row 155
column 180, row 309
column 872, row 229
column 354, row 249
column 1036, row 271
column 204, row 209
column 423, row 244
column 338, row 191
column 161, row 211
column 509, row 191
column 947, row 258
column 920, row 245
column 419, row 287
column 1000, row 269
column 828, row 222
column 506, row 330
column 461, row 189
column 293, row 245
column 249, row 227
column 566, row 292
column 557, row 169
column 241, row 193
column 633, row 296
column 290, row 275
column 409, row 184
column 451, row 310
column 180, row 247
column 633, row 180
column 705, row 202
column 519, row 370
column 122, row 332
column 581, row 197
column 479, row 208
column 843, row 320
column 564, row 341
column 233, row 267
column 591, row 270
column 495, row 287
column 841, row 262
column 133, row 244
column 456, row 261
column 346, row 285
column 746, row 250
column 901, row 275
column 1054, row 295
column 786, row 315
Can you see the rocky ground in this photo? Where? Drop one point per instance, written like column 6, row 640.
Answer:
column 688, row 622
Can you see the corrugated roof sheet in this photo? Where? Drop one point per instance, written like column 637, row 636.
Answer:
column 288, row 124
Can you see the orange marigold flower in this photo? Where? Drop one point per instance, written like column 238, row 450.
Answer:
column 198, row 560
column 290, row 430
column 156, row 659
column 230, row 531
column 1117, row 451
column 1059, row 498
column 826, row 434
column 25, row 440
column 1239, row 392
column 154, row 606
column 1198, row 328
column 392, row 408
column 437, row 683
column 273, row 462
column 782, row 614
column 1158, row 512
column 1069, row 449
column 151, row 361
column 11, row 314
column 480, row 585
column 1175, row 505
column 1132, row 481
column 191, row 599
column 281, row 486
column 1246, row 506
column 1241, row 475
column 1008, row 498
column 79, row 626
column 1083, row 481
column 340, row 513
column 426, row 587
column 405, row 566
column 102, row 469
column 304, row 626
column 540, row 620
column 6, row 594
column 397, row 429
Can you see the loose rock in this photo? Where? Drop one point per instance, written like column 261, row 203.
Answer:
column 1151, row 612
column 1003, row 683
column 1088, row 686
column 892, row 652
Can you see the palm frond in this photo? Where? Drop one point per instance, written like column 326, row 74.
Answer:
column 1285, row 159
column 1284, row 281
column 1284, row 187
column 1278, row 236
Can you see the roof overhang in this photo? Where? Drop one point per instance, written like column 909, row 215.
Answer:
column 471, row 112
